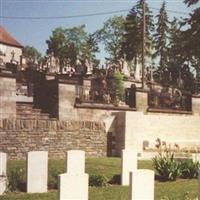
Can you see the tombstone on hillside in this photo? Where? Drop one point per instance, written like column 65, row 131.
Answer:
column 3, row 163
column 138, row 72
column 129, row 163
column 141, row 185
column 74, row 183
column 196, row 157
column 37, row 171
column 3, row 178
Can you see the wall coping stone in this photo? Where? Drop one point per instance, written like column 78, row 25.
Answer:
column 157, row 110
column 142, row 90
column 103, row 106
column 7, row 75
column 195, row 96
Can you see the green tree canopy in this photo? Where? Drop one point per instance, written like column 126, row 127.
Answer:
column 191, row 37
column 161, row 37
column 111, row 36
column 71, row 43
column 133, row 36
column 32, row 55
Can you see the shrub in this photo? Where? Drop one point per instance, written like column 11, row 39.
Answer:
column 53, row 178
column 166, row 167
column 55, row 168
column 98, row 180
column 116, row 179
column 119, row 85
column 189, row 169
column 17, row 179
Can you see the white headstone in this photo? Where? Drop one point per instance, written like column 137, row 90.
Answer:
column 199, row 186
column 74, row 183
column 129, row 163
column 3, row 183
column 138, row 72
column 3, row 166
column 196, row 157
column 37, row 172
column 75, row 162
column 73, row 186
column 125, row 69
column 141, row 185
column 3, row 163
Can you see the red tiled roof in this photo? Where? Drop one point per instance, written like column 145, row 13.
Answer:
column 6, row 38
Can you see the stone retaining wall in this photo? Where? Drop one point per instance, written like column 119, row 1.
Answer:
column 7, row 96
column 17, row 137
column 174, row 129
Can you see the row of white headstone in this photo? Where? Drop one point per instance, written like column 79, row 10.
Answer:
column 74, row 183
column 37, row 172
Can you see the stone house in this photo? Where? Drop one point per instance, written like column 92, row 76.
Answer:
column 10, row 48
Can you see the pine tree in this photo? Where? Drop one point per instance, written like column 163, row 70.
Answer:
column 175, row 53
column 161, row 37
column 191, row 37
column 133, row 37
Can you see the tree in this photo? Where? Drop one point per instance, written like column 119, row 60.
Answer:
column 32, row 55
column 161, row 37
column 70, row 44
column 191, row 2
column 111, row 35
column 119, row 85
column 191, row 37
column 133, row 36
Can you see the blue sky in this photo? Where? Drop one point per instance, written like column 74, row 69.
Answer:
column 36, row 32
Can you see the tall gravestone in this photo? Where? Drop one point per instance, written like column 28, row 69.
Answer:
column 74, row 183
column 129, row 163
column 37, row 171
column 3, row 167
column 196, row 157
column 7, row 95
column 141, row 185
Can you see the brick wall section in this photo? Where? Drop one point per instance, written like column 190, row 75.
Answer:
column 17, row 137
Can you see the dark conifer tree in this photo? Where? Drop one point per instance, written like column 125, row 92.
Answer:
column 132, row 40
column 192, row 36
column 162, row 37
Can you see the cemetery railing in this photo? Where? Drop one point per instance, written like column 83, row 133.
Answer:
column 88, row 94
column 171, row 100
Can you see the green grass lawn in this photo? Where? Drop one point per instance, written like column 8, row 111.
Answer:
column 178, row 190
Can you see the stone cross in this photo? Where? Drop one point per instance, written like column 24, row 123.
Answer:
column 37, row 171
column 12, row 55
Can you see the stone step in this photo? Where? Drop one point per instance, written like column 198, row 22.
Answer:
column 28, row 111
column 24, row 105
column 33, row 116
